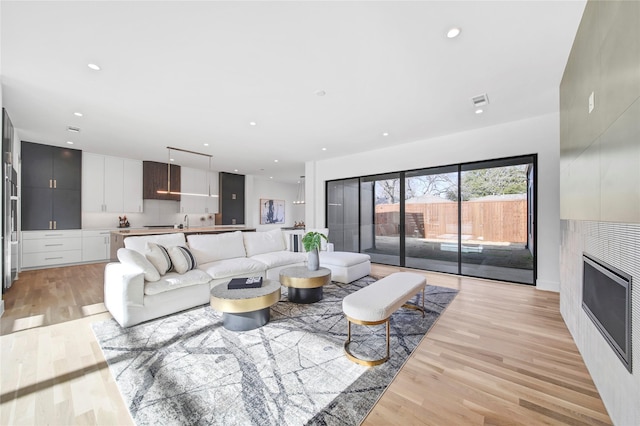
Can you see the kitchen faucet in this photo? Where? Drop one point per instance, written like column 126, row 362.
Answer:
column 186, row 221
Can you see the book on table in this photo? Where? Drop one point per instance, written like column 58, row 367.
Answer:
column 238, row 283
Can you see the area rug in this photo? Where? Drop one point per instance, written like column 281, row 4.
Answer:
column 187, row 369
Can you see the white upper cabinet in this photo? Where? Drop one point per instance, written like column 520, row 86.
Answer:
column 132, row 193
column 197, row 181
column 111, row 184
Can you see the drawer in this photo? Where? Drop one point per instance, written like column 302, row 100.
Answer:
column 31, row 260
column 38, row 235
column 51, row 245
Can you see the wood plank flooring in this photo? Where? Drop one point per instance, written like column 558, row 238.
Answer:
column 500, row 354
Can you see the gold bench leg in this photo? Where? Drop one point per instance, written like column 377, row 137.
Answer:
column 365, row 362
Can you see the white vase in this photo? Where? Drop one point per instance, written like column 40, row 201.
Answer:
column 313, row 260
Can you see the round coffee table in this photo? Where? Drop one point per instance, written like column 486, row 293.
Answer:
column 247, row 308
column 304, row 286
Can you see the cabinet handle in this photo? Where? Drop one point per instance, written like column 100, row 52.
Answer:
column 55, row 183
column 50, row 224
column 54, row 235
column 52, row 258
column 50, row 183
column 55, row 224
column 53, row 245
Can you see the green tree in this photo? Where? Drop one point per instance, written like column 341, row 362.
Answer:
column 494, row 181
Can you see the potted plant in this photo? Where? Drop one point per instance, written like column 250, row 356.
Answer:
column 311, row 243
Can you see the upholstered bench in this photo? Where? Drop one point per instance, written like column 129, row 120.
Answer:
column 374, row 304
column 345, row 266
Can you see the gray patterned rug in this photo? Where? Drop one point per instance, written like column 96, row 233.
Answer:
column 187, row 369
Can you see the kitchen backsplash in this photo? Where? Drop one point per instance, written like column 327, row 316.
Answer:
column 156, row 212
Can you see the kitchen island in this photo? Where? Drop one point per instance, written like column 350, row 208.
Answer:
column 118, row 236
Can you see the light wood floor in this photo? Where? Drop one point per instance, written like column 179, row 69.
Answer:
column 500, row 354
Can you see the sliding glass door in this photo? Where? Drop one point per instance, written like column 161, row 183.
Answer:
column 431, row 219
column 475, row 219
column 380, row 218
column 496, row 209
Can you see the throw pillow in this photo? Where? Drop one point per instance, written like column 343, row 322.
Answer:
column 182, row 258
column 131, row 257
column 159, row 257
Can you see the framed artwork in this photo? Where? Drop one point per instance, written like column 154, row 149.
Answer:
column 271, row 211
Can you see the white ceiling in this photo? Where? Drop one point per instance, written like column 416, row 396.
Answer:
column 187, row 73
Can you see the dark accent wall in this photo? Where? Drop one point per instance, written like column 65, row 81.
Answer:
column 600, row 185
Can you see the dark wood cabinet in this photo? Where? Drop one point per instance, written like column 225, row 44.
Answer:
column 51, row 187
column 154, row 179
column 231, row 199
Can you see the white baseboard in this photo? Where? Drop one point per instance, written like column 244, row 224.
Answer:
column 548, row 285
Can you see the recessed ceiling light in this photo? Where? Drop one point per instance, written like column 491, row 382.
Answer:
column 453, row 32
column 77, row 114
column 252, row 123
column 324, row 149
column 94, row 67
column 320, row 93
column 235, row 170
column 275, row 161
column 479, row 111
column 385, row 134
column 206, row 144
column 171, row 159
column 70, row 143
column 73, row 129
column 270, row 177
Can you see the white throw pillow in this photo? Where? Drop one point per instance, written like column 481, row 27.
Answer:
column 139, row 243
column 131, row 257
column 263, row 242
column 212, row 247
column 182, row 259
column 159, row 257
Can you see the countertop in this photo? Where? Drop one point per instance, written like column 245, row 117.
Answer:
column 129, row 232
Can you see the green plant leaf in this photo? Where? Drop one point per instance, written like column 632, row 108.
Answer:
column 313, row 240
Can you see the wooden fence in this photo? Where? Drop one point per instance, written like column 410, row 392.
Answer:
column 500, row 221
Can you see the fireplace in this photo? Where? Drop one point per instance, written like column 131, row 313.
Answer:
column 606, row 298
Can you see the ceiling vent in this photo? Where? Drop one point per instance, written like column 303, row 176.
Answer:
column 73, row 129
column 480, row 100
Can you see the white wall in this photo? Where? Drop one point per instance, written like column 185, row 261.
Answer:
column 257, row 188
column 537, row 135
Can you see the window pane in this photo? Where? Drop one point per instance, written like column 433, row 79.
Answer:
column 380, row 218
column 495, row 239
column 431, row 219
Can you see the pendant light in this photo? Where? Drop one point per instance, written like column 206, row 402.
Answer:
column 169, row 191
column 300, row 195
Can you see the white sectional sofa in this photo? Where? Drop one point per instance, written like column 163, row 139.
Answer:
column 135, row 291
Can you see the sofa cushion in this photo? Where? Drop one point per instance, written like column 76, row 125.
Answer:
column 263, row 242
column 167, row 240
column 174, row 280
column 131, row 257
column 182, row 259
column 279, row 258
column 233, row 267
column 213, row 247
column 342, row 258
column 158, row 255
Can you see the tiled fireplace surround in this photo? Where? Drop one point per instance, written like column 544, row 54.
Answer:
column 617, row 244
